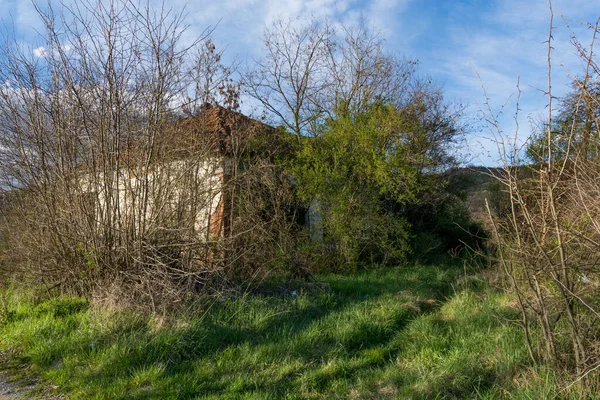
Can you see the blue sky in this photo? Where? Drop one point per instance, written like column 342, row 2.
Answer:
column 501, row 40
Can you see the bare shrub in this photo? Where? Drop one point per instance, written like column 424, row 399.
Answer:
column 108, row 183
column 547, row 241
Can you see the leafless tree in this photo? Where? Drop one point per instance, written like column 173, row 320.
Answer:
column 290, row 79
column 311, row 72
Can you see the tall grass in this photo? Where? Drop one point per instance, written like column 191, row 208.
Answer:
column 394, row 333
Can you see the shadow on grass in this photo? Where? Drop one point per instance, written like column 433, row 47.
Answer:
column 254, row 347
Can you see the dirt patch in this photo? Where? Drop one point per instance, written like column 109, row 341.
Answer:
column 15, row 390
column 10, row 390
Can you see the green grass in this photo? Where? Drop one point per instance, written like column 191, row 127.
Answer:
column 395, row 333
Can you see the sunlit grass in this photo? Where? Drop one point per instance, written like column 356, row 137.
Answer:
column 394, row 333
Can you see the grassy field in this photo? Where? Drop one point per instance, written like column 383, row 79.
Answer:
column 407, row 332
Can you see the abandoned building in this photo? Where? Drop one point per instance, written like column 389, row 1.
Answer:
column 188, row 185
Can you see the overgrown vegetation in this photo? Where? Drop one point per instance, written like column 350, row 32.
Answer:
column 371, row 178
column 373, row 139
column 125, row 170
column 167, row 246
column 129, row 173
column 547, row 239
column 405, row 332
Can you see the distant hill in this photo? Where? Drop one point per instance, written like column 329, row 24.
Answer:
column 481, row 184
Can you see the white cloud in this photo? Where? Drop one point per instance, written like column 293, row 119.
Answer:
column 502, row 39
column 384, row 14
column 40, row 52
column 505, row 44
column 242, row 22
